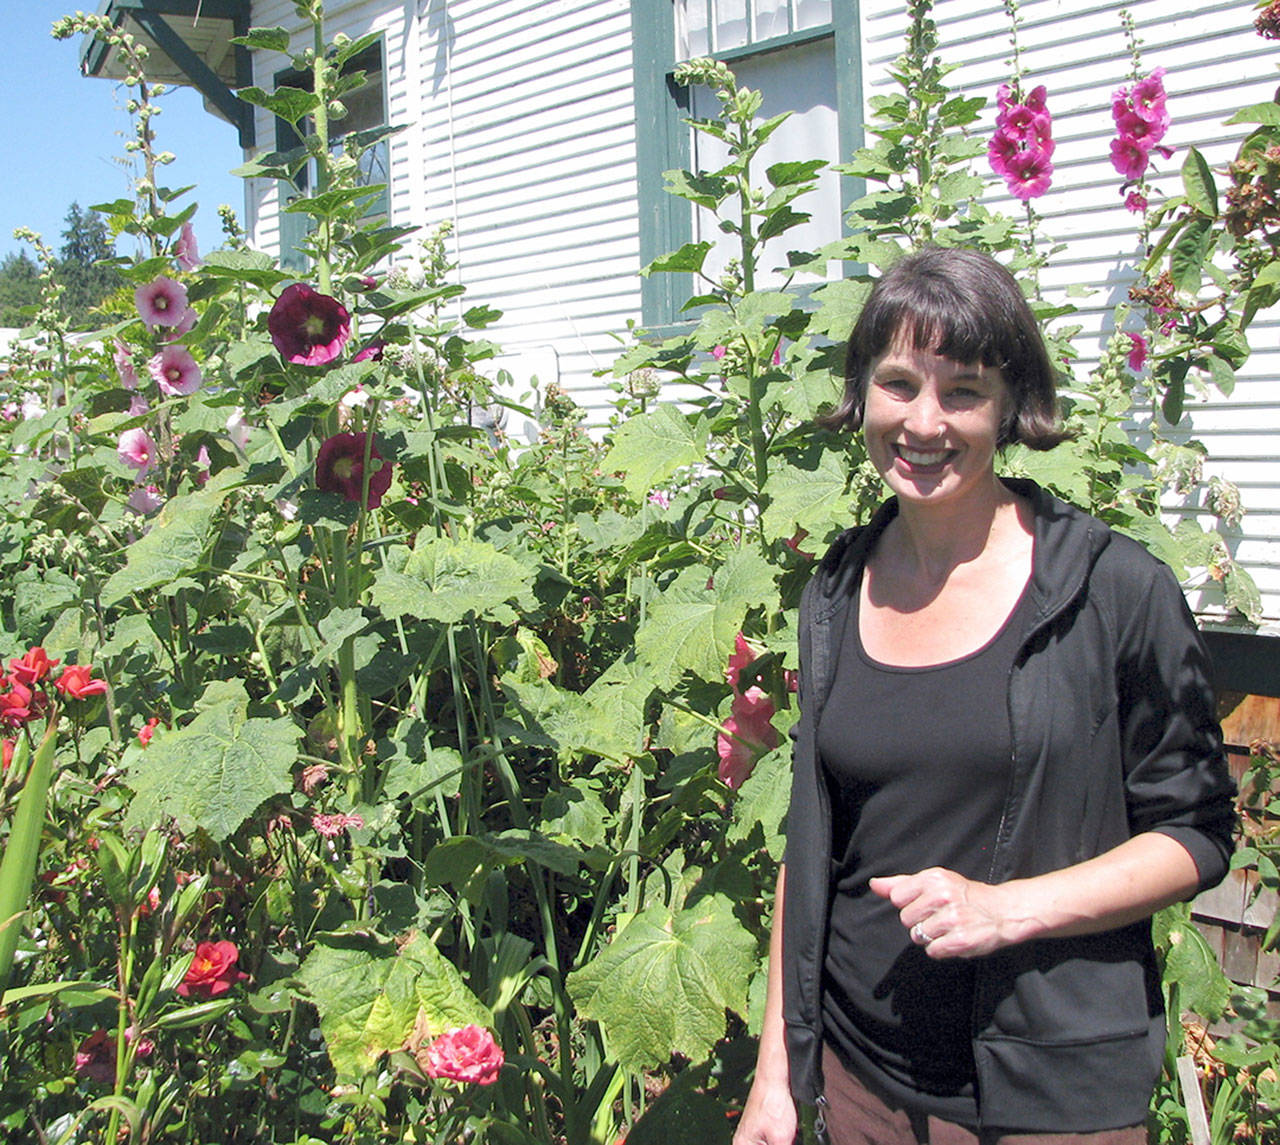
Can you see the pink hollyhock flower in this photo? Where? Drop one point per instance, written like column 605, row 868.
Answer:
column 95, row 1060
column 308, row 328
column 748, row 732
column 1001, row 148
column 1037, row 100
column 123, row 358
column 33, row 667
column 200, row 467
column 136, row 449
column 212, row 972
column 1030, row 174
column 185, row 252
column 175, row 371
column 340, row 468
column 1148, row 98
column 184, row 325
column 77, row 683
column 1132, row 126
column 1137, row 352
column 659, row 498
column 371, row 352
column 1129, row 158
column 467, row 1054
column 331, row 826
column 1135, row 202
column 161, row 302
column 238, row 430
column 718, row 352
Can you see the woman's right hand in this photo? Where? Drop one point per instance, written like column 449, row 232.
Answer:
column 769, row 1117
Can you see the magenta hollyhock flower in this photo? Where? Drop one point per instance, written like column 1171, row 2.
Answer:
column 95, row 1059
column 467, row 1053
column 175, row 371
column 371, row 352
column 1037, row 100
column 1001, row 148
column 136, row 449
column 340, row 468
column 718, row 352
column 1142, row 131
column 1135, row 202
column 748, row 732
column 123, row 358
column 161, row 302
column 1148, row 98
column 185, row 251
column 331, row 826
column 1030, row 174
column 1137, row 352
column 308, row 328
column 1129, row 158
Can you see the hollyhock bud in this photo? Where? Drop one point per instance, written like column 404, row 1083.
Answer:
column 212, row 971
column 467, row 1054
column 77, row 683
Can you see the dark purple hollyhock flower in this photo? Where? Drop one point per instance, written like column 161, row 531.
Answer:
column 340, row 468
column 308, row 328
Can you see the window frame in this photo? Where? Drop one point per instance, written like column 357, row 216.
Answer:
column 665, row 221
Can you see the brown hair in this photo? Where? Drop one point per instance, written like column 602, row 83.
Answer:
column 965, row 306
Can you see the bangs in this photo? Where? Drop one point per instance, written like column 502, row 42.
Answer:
column 939, row 322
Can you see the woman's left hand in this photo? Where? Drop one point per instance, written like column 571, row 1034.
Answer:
column 949, row 915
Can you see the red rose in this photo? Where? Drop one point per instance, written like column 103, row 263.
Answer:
column 19, row 704
column 76, row 684
column 33, row 667
column 467, row 1054
column 212, row 971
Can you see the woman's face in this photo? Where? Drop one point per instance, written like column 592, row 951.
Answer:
column 931, row 424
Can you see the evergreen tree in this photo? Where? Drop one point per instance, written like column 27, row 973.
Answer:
column 81, row 270
column 19, row 287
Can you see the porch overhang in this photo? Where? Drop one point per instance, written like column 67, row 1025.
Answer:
column 189, row 44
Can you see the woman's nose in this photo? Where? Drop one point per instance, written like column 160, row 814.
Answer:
column 925, row 417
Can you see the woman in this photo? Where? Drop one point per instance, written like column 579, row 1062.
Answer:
column 1006, row 761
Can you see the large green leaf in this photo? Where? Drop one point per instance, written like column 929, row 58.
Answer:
column 1197, row 181
column 663, row 985
column 650, row 447
column 175, row 543
column 812, row 499
column 448, row 580
column 689, row 627
column 215, row 772
column 343, row 979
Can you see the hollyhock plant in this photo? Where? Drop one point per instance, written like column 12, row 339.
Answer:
column 1141, row 116
column 77, row 683
column 161, row 302
column 306, row 327
column 185, row 251
column 175, row 371
column 136, row 449
column 467, row 1054
column 212, row 971
column 340, row 468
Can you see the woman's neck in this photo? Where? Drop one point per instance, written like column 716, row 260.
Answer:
column 929, row 542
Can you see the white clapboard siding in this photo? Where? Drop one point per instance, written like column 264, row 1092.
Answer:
column 529, row 148
column 1215, row 64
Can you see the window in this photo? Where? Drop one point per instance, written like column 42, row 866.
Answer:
column 802, row 55
column 366, row 108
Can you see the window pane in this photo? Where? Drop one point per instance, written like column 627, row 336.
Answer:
column 801, row 80
column 731, row 29
column 811, row 13
column 772, row 19
column 691, row 29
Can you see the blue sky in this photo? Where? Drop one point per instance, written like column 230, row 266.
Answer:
column 63, row 135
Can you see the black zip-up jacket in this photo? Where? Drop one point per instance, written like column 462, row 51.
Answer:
column 1114, row 734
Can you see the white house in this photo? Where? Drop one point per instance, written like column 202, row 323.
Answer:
column 540, row 128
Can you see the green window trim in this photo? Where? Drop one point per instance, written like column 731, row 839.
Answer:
column 662, row 138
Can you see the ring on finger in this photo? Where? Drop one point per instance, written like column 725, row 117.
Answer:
column 918, row 933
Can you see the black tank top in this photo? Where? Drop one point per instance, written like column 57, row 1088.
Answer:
column 918, row 761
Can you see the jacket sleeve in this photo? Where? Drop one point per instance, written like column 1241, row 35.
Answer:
column 1176, row 778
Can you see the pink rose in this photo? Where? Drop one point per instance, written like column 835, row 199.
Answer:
column 467, row 1054
column 212, row 971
